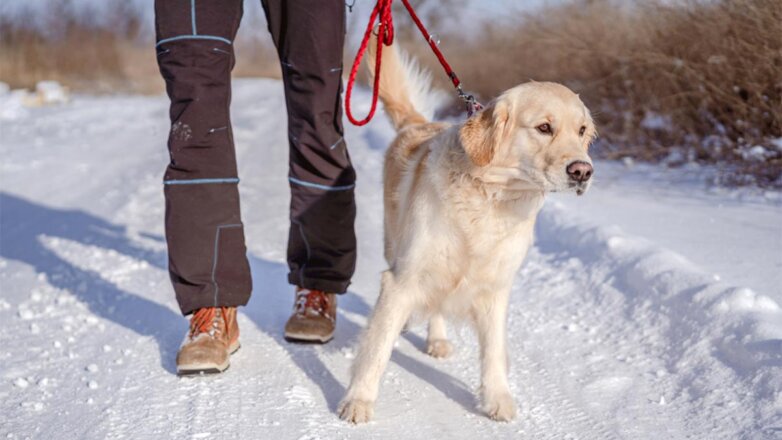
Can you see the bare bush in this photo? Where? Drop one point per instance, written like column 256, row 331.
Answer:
column 27, row 57
column 699, row 81
column 108, row 56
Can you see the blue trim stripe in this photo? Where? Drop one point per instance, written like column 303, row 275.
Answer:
column 193, row 37
column 192, row 16
column 334, row 145
column 200, row 181
column 319, row 186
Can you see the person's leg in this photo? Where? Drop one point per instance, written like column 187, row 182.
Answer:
column 309, row 35
column 207, row 256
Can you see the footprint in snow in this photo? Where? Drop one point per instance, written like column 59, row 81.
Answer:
column 299, row 396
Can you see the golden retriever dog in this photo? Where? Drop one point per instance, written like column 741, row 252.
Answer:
column 460, row 208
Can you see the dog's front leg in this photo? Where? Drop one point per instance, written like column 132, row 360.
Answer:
column 490, row 315
column 392, row 310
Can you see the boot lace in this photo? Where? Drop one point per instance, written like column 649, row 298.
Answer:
column 315, row 300
column 207, row 320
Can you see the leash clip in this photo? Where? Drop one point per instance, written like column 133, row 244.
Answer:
column 470, row 102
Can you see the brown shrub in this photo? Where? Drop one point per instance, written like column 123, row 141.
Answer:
column 102, row 58
column 711, row 71
column 27, row 57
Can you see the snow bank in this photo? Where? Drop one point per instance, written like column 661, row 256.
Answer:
column 707, row 325
column 646, row 272
column 49, row 92
column 13, row 103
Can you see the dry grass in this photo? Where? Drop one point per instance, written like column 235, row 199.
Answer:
column 254, row 59
column 712, row 71
column 100, row 59
column 80, row 56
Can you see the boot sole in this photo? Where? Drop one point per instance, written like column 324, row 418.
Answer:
column 198, row 369
column 308, row 338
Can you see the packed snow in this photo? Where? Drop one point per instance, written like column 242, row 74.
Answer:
column 648, row 309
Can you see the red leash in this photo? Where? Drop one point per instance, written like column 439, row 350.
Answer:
column 382, row 13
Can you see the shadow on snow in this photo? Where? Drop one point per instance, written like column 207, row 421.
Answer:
column 23, row 224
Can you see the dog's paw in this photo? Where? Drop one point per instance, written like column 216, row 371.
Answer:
column 356, row 411
column 500, row 407
column 439, row 348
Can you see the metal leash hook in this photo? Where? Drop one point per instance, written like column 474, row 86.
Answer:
column 470, row 102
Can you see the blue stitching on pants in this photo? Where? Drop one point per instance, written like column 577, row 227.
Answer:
column 200, row 181
column 193, row 37
column 193, row 16
column 319, row 186
column 216, row 254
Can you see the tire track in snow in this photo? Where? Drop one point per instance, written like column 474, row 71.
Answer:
column 550, row 412
column 568, row 419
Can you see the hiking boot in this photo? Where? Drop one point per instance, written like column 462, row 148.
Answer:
column 314, row 317
column 212, row 339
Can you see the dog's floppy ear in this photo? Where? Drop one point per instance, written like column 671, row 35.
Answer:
column 485, row 131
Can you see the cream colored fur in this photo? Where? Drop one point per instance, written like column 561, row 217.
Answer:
column 460, row 208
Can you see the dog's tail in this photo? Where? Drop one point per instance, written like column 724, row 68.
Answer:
column 405, row 88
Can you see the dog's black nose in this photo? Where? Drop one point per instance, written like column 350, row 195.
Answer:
column 579, row 171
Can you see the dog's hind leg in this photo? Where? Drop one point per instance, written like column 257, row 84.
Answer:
column 490, row 314
column 437, row 344
column 391, row 312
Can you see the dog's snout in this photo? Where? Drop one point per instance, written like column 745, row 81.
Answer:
column 579, row 171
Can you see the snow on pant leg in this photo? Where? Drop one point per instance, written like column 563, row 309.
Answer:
column 207, row 255
column 309, row 35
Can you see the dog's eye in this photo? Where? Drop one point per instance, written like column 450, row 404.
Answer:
column 582, row 131
column 544, row 128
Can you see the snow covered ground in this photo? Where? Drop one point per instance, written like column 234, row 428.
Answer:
column 614, row 333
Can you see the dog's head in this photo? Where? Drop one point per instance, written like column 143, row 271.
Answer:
column 535, row 135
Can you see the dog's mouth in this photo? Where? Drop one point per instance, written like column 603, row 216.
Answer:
column 579, row 188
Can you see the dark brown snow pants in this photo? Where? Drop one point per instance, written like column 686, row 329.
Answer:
column 207, row 255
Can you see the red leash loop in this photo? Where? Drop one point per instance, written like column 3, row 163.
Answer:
column 386, row 32
column 386, row 37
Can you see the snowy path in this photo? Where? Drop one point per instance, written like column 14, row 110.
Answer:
column 612, row 336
